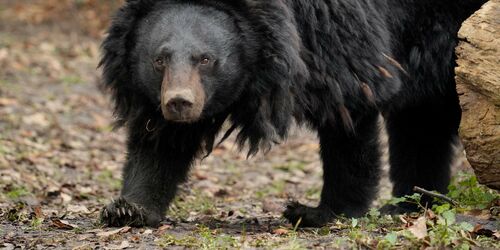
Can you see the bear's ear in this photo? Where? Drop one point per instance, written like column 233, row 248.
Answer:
column 268, row 100
column 115, row 65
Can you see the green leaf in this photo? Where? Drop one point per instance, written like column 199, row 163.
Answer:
column 354, row 222
column 449, row 216
column 396, row 200
column 374, row 213
column 414, row 197
column 392, row 238
column 466, row 227
column 443, row 208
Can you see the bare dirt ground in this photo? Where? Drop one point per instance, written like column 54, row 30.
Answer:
column 60, row 162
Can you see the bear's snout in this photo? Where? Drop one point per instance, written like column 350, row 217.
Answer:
column 180, row 106
column 179, row 102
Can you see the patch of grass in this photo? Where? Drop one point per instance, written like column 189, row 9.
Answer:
column 293, row 165
column 313, row 193
column 376, row 231
column 203, row 238
column 9, row 85
column 71, row 80
column 17, row 213
column 106, row 129
column 232, row 168
column 169, row 240
column 443, row 230
column 211, row 240
column 196, row 203
column 276, row 188
column 106, row 176
column 3, row 150
column 206, row 238
column 340, row 243
column 6, row 39
column 78, row 230
column 292, row 243
column 36, row 223
column 466, row 190
column 17, row 192
column 287, row 241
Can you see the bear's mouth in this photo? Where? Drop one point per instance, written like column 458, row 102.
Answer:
column 181, row 120
column 185, row 114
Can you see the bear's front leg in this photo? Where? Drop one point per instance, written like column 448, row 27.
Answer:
column 351, row 164
column 154, row 169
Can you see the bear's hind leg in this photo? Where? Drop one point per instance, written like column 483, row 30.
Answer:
column 421, row 139
column 351, row 165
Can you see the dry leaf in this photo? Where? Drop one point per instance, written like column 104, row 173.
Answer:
column 123, row 245
column 403, row 219
column 7, row 101
column 281, row 231
column 4, row 53
column 38, row 212
column 66, row 198
column 419, row 228
column 113, row 232
column 164, row 228
column 430, row 214
column 8, row 246
column 125, row 230
column 219, row 151
column 62, row 224
column 38, row 119
column 497, row 235
column 78, row 209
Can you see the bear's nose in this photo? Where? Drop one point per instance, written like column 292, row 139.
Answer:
column 179, row 104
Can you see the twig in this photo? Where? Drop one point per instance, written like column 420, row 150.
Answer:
column 435, row 195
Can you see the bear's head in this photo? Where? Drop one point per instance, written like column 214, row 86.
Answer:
column 198, row 60
column 187, row 61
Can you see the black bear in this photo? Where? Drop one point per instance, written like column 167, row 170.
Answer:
column 179, row 69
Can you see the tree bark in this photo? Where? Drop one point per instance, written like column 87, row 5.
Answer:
column 478, row 83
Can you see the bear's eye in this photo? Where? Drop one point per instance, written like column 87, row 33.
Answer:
column 159, row 62
column 205, row 61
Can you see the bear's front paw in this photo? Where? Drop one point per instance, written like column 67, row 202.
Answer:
column 306, row 216
column 121, row 213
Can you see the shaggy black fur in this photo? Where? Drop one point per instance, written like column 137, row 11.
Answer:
column 333, row 65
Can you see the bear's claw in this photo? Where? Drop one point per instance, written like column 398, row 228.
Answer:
column 122, row 213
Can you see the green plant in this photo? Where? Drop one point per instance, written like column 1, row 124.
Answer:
column 196, row 203
column 17, row 192
column 204, row 238
column 444, row 231
column 106, row 176
column 466, row 190
column 414, row 198
column 388, row 241
column 36, row 223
